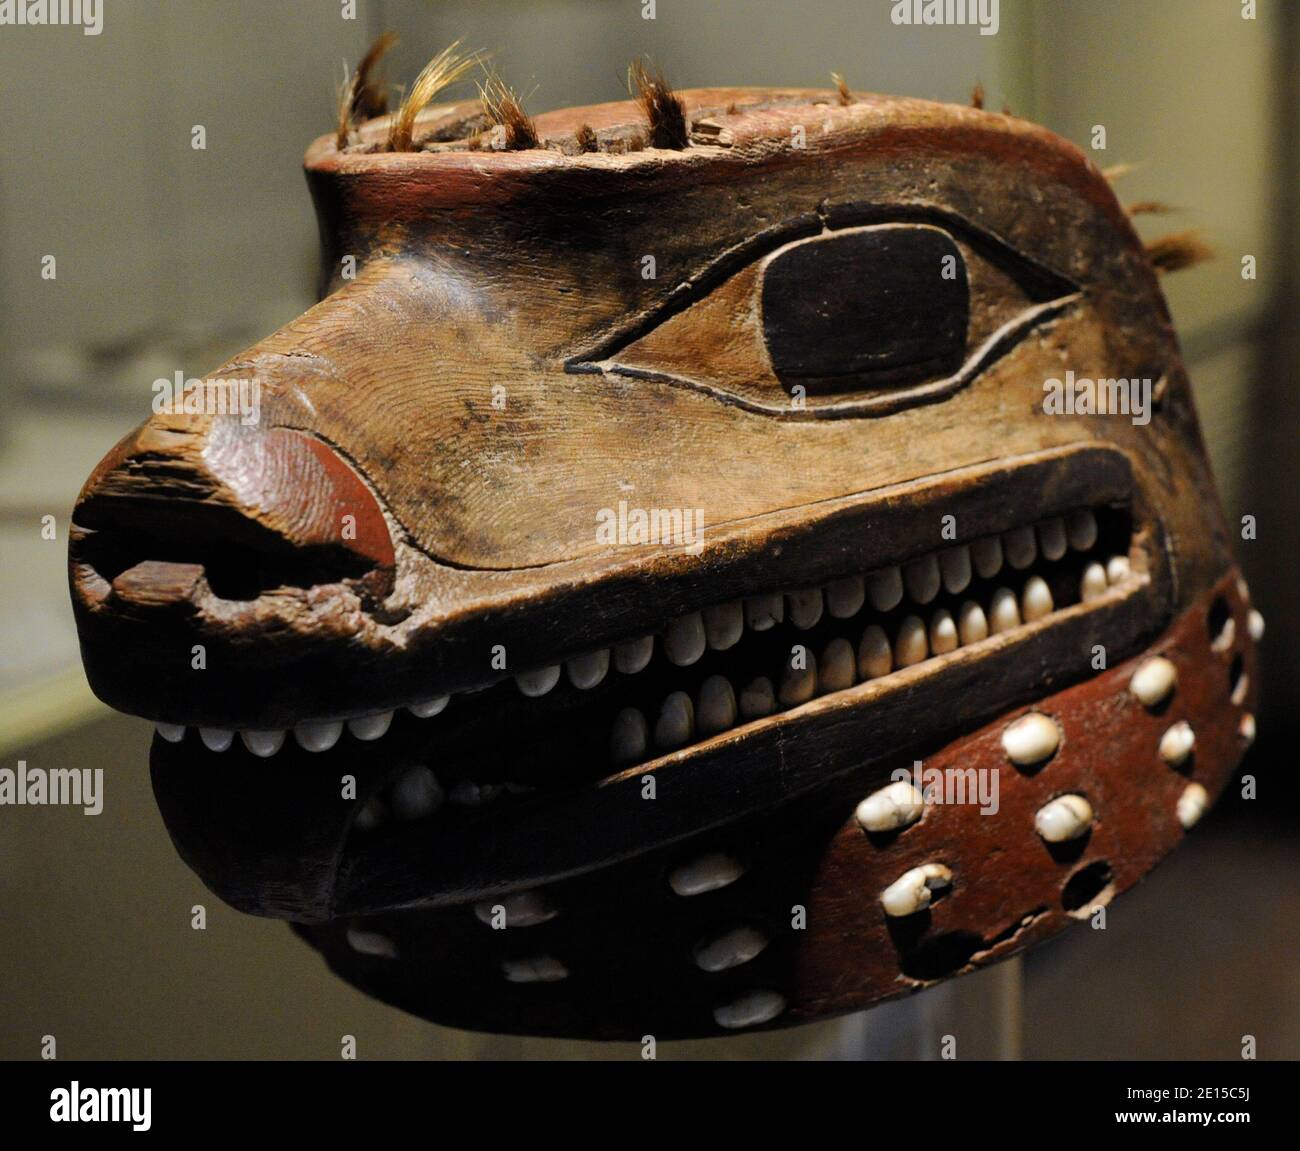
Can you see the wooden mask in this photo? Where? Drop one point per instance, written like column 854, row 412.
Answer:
column 658, row 522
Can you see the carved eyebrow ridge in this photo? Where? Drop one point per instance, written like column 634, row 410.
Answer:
column 998, row 342
column 827, row 219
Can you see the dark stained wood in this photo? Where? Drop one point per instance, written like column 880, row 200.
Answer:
column 874, row 304
column 494, row 363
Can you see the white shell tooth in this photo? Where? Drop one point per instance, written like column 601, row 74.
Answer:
column 750, row 1010
column 171, row 732
column 804, row 607
column 731, row 949
column 724, row 624
column 1004, row 613
column 705, row 873
column 758, row 699
column 1064, row 818
column 370, row 816
column 1032, row 739
column 911, row 646
column 630, row 737
column 1246, row 728
column 586, row 671
column 1036, row 599
column 1191, row 805
column 972, row 624
column 716, row 710
column 428, row 708
column 798, row 684
column 519, row 909
column 263, row 744
column 416, row 794
column 1240, row 690
column 986, row 555
column 371, row 943
column 1052, row 539
column 514, row 787
column 538, row 969
column 318, row 735
column 1081, row 530
column 943, row 633
column 1255, row 625
column 539, row 681
column 1154, row 681
column 1092, row 584
column 468, row 793
column 913, row 890
column 1227, row 635
column 875, row 656
column 835, row 667
column 845, row 597
column 368, row 728
column 896, row 805
column 633, row 656
column 684, row 640
column 1177, row 743
column 1117, row 570
column 921, row 578
column 1020, row 548
column 954, row 565
column 764, row 611
column 216, row 738
column 676, row 722
column 885, row 588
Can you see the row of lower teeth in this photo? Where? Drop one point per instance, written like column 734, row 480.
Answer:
column 721, row 626
column 717, row 706
column 418, row 793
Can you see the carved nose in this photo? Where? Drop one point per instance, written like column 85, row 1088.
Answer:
column 247, row 509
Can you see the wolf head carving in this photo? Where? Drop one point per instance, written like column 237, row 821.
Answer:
column 765, row 563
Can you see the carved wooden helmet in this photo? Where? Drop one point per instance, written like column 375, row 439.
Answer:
column 708, row 561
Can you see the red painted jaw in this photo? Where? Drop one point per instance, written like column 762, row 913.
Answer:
column 717, row 911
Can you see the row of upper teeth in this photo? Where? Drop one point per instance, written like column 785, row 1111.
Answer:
column 920, row 581
column 721, row 626
column 717, row 706
column 313, row 735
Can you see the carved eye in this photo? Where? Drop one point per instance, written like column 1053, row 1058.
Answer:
column 859, row 321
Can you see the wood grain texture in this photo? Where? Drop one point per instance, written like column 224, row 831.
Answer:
column 757, row 326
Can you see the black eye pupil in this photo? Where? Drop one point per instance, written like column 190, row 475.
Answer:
column 885, row 305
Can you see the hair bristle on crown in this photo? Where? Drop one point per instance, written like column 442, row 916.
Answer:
column 511, row 125
column 443, row 70
column 663, row 109
column 361, row 97
column 1149, row 208
column 1180, row 250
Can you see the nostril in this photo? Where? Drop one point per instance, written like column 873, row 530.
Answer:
column 246, row 510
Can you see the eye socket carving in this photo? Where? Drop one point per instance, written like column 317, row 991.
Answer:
column 857, row 321
column 890, row 304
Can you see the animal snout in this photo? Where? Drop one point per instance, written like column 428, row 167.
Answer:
column 245, row 509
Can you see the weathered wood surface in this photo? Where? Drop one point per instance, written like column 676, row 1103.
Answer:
column 841, row 338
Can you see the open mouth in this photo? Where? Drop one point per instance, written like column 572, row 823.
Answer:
column 717, row 670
